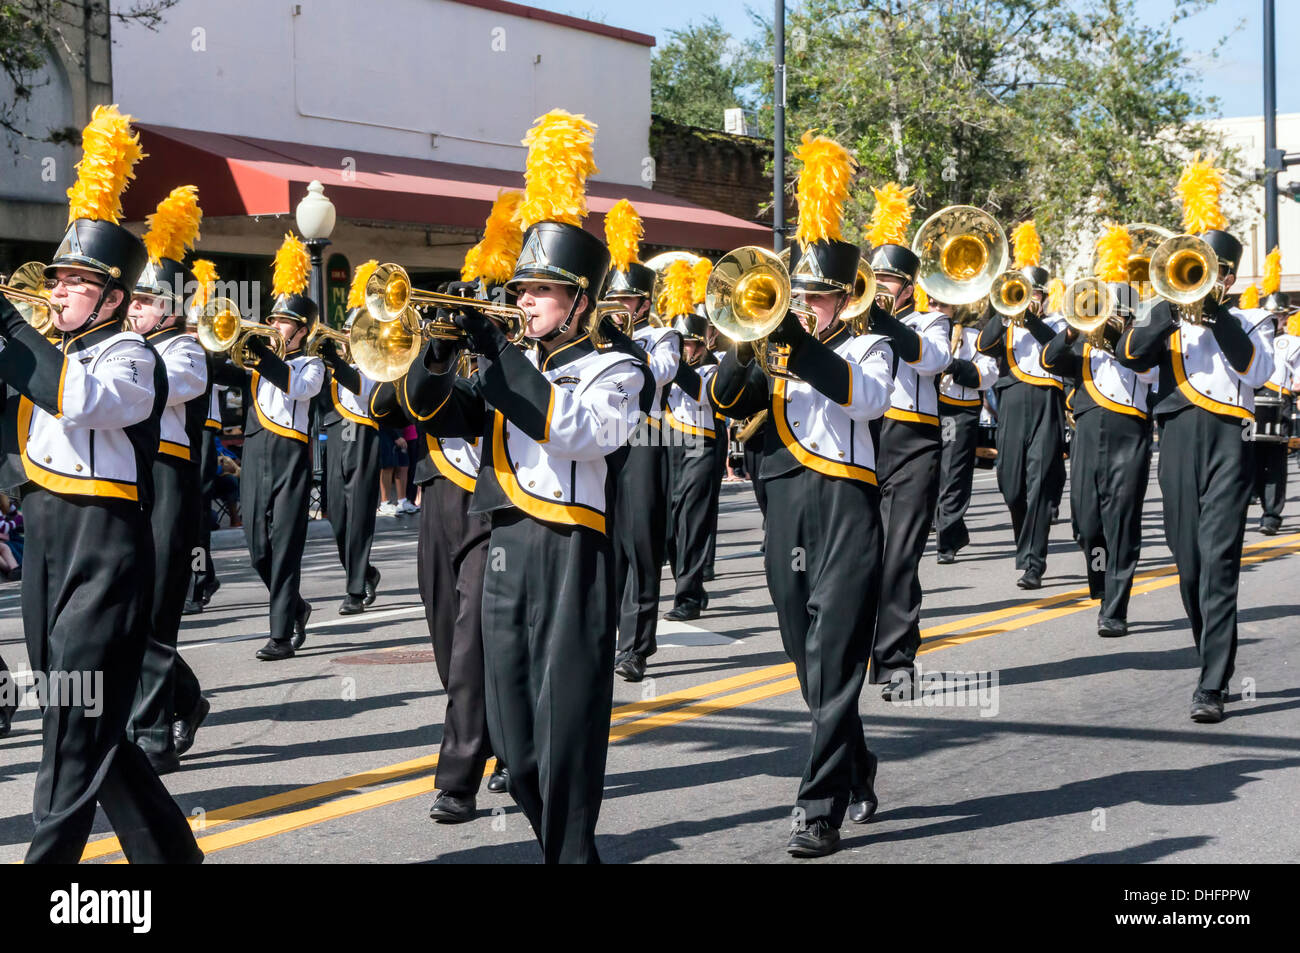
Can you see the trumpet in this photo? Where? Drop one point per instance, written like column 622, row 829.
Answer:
column 1091, row 309
column 1185, row 271
column 222, row 330
column 390, row 297
column 1146, row 239
column 322, row 333
column 856, row 312
column 747, row 298
column 962, row 250
column 620, row 315
column 1011, row 296
column 26, row 289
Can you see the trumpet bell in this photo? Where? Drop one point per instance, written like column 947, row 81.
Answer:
column 26, row 289
column 1011, row 294
column 748, row 293
column 388, row 292
column 1146, row 239
column 962, row 249
column 384, row 350
column 218, row 325
column 1088, row 304
column 1184, row 270
column 857, row 310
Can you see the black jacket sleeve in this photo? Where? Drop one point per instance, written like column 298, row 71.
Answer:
column 29, row 363
column 1040, row 329
column 814, row 362
column 905, row 341
column 738, row 390
column 386, row 406
column 1141, row 345
column 1233, row 340
column 992, row 340
column 688, row 380
column 520, row 391
column 1060, row 358
column 345, row 375
column 271, row 368
column 964, row 373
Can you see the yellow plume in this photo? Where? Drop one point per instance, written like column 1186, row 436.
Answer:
column 1199, row 188
column 357, row 293
column 700, row 272
column 623, row 232
column 1113, row 248
column 1293, row 325
column 920, row 300
column 560, row 157
column 679, row 288
column 174, row 227
column 823, row 188
column 891, row 216
column 1055, row 296
column 205, row 274
column 493, row 259
column 109, row 152
column 292, row 268
column 1028, row 247
column 1249, row 298
column 1272, row 271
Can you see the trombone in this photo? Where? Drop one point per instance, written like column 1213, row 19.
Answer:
column 222, row 330
column 390, row 297
column 1091, row 308
column 1185, row 271
column 962, row 249
column 1011, row 296
column 747, row 298
column 322, row 333
column 26, row 289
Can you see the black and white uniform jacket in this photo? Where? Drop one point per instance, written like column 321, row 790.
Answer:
column 915, row 397
column 188, row 399
column 1019, row 353
column 1098, row 379
column 1285, row 378
column 287, row 413
column 690, row 410
column 953, row 395
column 663, row 350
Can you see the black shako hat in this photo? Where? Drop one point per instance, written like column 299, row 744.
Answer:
column 101, row 247
column 636, row 280
column 1225, row 246
column 169, row 279
column 895, row 260
column 567, row 254
column 296, row 307
column 829, row 265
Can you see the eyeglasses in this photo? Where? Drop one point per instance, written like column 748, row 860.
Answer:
column 71, row 282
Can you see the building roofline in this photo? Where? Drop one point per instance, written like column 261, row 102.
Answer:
column 560, row 19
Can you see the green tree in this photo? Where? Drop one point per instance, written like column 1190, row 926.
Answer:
column 698, row 73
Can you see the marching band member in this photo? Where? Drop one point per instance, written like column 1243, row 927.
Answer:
column 1031, row 414
column 1111, row 454
column 961, row 398
column 692, row 456
column 641, row 499
column 157, row 311
column 204, row 582
column 1271, row 455
column 908, row 461
column 275, row 474
column 88, row 425
column 351, row 460
column 823, row 538
column 548, row 418
column 1208, row 375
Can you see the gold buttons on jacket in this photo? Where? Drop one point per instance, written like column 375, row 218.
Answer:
column 813, row 445
column 48, row 458
column 558, row 494
column 531, row 484
column 795, row 424
column 78, row 467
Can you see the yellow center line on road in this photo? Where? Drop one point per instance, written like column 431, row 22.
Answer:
column 1011, row 618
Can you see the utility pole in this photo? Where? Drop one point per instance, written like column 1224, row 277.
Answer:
column 778, row 130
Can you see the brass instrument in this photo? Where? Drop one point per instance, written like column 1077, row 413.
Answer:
column 751, row 426
column 222, row 330
column 747, row 298
column 965, row 316
column 1146, row 239
column 322, row 333
column 26, row 289
column 1185, row 271
column 1011, row 296
column 384, row 350
column 616, row 312
column 659, row 265
column 1090, row 308
column 962, row 249
column 390, row 297
column 856, row 312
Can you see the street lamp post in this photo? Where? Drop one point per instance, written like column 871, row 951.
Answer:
column 315, row 215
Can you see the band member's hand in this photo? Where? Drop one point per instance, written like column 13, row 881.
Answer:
column 462, row 289
column 744, row 351
column 438, row 354
column 485, row 335
column 790, row 331
column 1071, row 333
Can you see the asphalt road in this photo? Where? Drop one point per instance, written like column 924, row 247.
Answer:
column 1070, row 748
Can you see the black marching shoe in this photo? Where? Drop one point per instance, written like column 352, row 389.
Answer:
column 709, row 575
column 1207, row 706
column 210, row 591
column 630, row 668
column 300, row 626
column 863, row 803
column 163, row 762
column 682, row 613
column 1269, row 525
column 372, row 586
column 1032, row 579
column 814, row 840
column 7, row 718
column 500, row 777
column 898, row 688
column 452, row 809
column 192, row 607
column 184, row 729
column 275, row 651
column 352, row 605
column 945, row 558
column 1111, row 628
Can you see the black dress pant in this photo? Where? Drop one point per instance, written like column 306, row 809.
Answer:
column 959, row 433
column 352, row 487
column 721, row 447
column 1030, row 466
column 174, row 520
column 823, row 549
column 274, row 490
column 86, row 621
column 1109, row 466
column 1205, row 480
column 548, row 647
column 908, row 471
column 451, row 555
column 1270, row 477
column 754, row 459
column 694, row 468
column 205, row 576
column 639, row 540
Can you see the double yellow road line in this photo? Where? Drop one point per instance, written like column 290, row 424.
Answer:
column 377, row 788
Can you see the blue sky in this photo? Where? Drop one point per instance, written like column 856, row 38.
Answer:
column 1236, row 76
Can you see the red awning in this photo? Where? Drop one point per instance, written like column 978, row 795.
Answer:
column 238, row 175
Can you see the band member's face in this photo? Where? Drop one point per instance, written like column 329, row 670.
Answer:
column 824, row 304
column 896, row 286
column 293, row 332
column 77, row 291
column 547, row 305
column 1039, row 298
column 637, row 304
column 145, row 312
